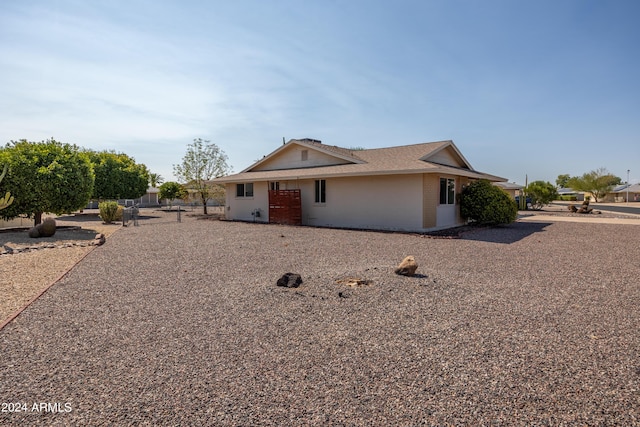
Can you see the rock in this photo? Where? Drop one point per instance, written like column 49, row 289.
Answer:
column 290, row 280
column 572, row 208
column 584, row 209
column 34, row 232
column 354, row 281
column 407, row 267
column 47, row 228
column 99, row 239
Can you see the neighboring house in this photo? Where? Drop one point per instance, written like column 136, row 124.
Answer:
column 306, row 182
column 571, row 194
column 511, row 188
column 620, row 192
column 150, row 198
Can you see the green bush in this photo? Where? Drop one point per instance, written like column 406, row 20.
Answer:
column 569, row 198
column 109, row 211
column 541, row 193
column 119, row 213
column 485, row 204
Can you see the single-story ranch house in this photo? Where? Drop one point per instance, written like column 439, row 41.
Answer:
column 306, row 182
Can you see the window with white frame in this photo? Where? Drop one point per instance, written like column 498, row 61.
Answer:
column 447, row 191
column 275, row 185
column 244, row 190
column 321, row 191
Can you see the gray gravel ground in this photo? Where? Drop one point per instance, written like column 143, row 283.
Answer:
column 182, row 324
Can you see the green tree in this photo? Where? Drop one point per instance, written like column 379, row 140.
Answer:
column 486, row 204
column 7, row 199
column 541, row 193
column 155, row 179
column 171, row 191
column 202, row 163
column 117, row 176
column 46, row 176
column 562, row 180
column 598, row 182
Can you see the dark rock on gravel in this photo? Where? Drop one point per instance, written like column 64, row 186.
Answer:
column 290, row 280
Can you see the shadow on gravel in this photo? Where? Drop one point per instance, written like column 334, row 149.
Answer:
column 506, row 234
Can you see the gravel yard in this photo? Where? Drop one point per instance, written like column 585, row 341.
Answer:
column 181, row 324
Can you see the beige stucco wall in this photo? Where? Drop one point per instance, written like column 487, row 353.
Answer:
column 240, row 208
column 446, row 157
column 387, row 202
column 374, row 202
column 291, row 158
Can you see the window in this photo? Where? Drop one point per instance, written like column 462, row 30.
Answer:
column 244, row 190
column 275, row 186
column 304, row 155
column 321, row 191
column 447, row 191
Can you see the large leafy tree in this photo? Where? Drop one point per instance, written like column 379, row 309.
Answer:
column 46, row 176
column 562, row 180
column 597, row 182
column 541, row 193
column 118, row 176
column 202, row 163
column 172, row 190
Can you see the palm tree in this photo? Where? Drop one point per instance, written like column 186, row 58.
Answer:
column 155, row 179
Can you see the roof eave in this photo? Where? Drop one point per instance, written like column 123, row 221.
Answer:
column 293, row 176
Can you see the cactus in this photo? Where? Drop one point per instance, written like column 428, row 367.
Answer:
column 7, row 199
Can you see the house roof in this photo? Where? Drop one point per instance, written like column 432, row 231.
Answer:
column 633, row 188
column 405, row 159
column 509, row 185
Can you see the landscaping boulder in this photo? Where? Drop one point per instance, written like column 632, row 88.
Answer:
column 407, row 267
column 290, row 280
column 585, row 209
column 99, row 239
column 46, row 228
column 34, row 233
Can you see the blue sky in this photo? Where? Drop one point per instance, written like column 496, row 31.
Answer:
column 536, row 88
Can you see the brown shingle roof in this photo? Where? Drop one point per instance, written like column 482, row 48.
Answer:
column 405, row 159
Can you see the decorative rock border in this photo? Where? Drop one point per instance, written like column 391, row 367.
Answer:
column 97, row 241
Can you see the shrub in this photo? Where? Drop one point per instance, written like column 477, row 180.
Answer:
column 119, row 213
column 541, row 193
column 485, row 204
column 109, row 211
